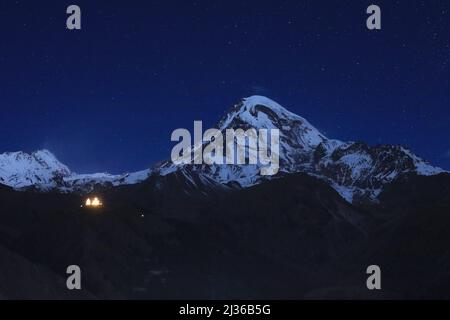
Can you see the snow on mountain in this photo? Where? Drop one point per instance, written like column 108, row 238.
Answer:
column 43, row 171
column 357, row 170
column 262, row 113
column 20, row 169
column 87, row 182
column 354, row 169
column 298, row 138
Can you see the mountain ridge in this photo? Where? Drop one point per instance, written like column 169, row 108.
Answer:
column 355, row 170
column 41, row 169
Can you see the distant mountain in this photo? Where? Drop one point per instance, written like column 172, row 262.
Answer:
column 358, row 172
column 354, row 169
column 20, row 169
column 42, row 171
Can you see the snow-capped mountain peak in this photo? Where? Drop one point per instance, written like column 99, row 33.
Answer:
column 252, row 110
column 259, row 112
column 42, row 170
column 353, row 169
column 21, row 169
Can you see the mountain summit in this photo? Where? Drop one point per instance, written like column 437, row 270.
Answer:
column 43, row 171
column 354, row 169
column 20, row 169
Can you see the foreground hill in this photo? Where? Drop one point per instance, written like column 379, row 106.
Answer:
column 292, row 237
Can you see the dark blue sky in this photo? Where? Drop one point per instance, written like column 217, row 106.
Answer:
column 106, row 98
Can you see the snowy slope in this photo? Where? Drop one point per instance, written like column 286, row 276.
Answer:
column 20, row 169
column 42, row 170
column 262, row 113
column 86, row 182
column 353, row 169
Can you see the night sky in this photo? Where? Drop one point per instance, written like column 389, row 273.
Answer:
column 107, row 97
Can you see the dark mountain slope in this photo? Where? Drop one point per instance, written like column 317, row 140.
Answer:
column 137, row 246
column 291, row 237
column 413, row 244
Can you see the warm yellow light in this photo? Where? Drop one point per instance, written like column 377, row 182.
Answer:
column 94, row 203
